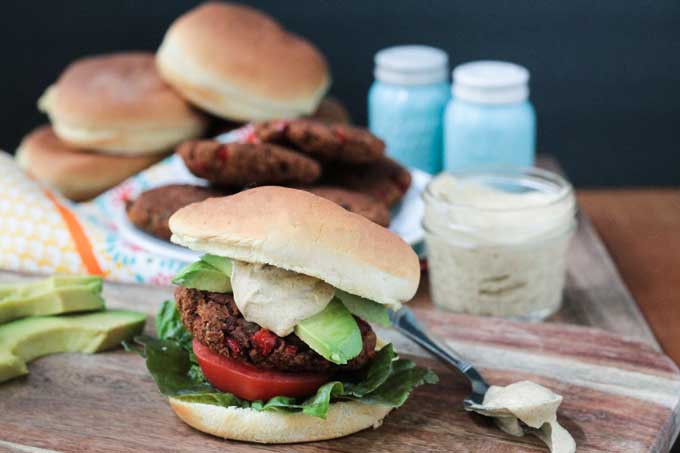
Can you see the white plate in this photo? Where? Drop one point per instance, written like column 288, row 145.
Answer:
column 406, row 216
column 150, row 243
column 406, row 222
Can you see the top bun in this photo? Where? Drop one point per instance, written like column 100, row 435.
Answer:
column 118, row 103
column 240, row 64
column 303, row 233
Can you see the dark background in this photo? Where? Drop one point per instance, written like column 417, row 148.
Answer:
column 605, row 74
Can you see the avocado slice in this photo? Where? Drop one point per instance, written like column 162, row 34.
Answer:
column 210, row 273
column 332, row 333
column 26, row 339
column 50, row 296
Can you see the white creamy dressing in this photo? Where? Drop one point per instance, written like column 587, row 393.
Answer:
column 495, row 215
column 496, row 252
column 532, row 404
column 275, row 298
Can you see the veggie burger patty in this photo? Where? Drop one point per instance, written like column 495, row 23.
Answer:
column 215, row 321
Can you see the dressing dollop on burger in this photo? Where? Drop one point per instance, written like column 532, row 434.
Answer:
column 269, row 339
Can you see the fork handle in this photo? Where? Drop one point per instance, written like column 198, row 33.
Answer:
column 405, row 322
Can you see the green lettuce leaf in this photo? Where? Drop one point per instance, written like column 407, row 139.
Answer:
column 377, row 373
column 214, row 397
column 317, row 405
column 405, row 376
column 169, row 364
column 169, row 325
column 387, row 379
column 364, row 308
column 277, row 404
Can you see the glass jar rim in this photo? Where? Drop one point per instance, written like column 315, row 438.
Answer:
column 565, row 189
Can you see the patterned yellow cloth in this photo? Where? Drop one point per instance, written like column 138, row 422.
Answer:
column 33, row 234
column 42, row 232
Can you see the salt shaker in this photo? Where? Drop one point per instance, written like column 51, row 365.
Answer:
column 489, row 120
column 406, row 104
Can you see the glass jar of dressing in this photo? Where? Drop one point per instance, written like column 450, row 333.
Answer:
column 489, row 120
column 406, row 104
column 497, row 241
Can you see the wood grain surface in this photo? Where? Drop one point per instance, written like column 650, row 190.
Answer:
column 641, row 230
column 620, row 395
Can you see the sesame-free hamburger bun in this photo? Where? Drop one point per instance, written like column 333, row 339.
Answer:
column 78, row 175
column 119, row 104
column 250, row 425
column 269, row 427
column 303, row 233
column 242, row 65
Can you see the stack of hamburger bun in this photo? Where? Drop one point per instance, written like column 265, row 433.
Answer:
column 219, row 65
column 240, row 64
column 111, row 116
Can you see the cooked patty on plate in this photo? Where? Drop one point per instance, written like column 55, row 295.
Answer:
column 152, row 209
column 326, row 142
column 355, row 202
column 385, row 180
column 247, row 164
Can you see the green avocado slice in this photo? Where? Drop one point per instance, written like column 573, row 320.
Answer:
column 203, row 276
column 26, row 339
column 50, row 296
column 332, row 333
column 210, row 273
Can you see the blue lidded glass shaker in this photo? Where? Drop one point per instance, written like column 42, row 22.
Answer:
column 406, row 104
column 489, row 119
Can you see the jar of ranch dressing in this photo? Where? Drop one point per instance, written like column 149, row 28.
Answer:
column 406, row 104
column 497, row 240
column 489, row 120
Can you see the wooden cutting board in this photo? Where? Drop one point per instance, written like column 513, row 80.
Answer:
column 620, row 393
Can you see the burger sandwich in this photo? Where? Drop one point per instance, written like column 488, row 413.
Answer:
column 269, row 338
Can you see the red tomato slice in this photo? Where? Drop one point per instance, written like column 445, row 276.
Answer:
column 251, row 383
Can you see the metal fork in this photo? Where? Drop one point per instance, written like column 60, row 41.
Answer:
column 405, row 322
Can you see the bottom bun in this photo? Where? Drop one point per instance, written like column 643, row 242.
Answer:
column 270, row 427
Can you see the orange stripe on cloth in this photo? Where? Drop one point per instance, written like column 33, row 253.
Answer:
column 80, row 240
